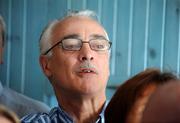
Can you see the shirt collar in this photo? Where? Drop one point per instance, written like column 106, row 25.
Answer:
column 62, row 112
column 100, row 119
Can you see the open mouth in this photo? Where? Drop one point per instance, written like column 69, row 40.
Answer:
column 87, row 67
column 85, row 70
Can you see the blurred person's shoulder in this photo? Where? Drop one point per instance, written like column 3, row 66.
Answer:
column 20, row 103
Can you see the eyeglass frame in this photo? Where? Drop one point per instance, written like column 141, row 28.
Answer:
column 60, row 42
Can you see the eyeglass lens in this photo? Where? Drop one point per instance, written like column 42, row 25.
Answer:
column 76, row 44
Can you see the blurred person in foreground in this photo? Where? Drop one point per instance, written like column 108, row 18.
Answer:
column 164, row 105
column 19, row 103
column 8, row 116
column 74, row 55
column 129, row 101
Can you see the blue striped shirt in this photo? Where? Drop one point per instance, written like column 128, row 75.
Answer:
column 56, row 115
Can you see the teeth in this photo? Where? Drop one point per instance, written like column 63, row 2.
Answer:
column 87, row 71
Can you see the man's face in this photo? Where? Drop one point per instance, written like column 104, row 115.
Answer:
column 66, row 68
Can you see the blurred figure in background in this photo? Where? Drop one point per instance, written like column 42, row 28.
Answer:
column 164, row 105
column 7, row 116
column 13, row 100
column 2, row 38
column 129, row 101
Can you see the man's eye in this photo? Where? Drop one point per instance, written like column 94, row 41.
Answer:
column 100, row 46
column 71, row 46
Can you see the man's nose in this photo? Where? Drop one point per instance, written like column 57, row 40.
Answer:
column 86, row 53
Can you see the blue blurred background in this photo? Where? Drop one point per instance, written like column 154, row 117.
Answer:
column 145, row 33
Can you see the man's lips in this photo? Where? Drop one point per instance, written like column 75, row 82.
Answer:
column 87, row 67
column 87, row 70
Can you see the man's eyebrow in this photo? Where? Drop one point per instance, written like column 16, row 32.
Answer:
column 71, row 36
column 93, row 36
column 97, row 36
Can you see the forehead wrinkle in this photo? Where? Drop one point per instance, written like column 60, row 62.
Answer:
column 98, row 36
column 85, row 35
column 93, row 35
column 76, row 36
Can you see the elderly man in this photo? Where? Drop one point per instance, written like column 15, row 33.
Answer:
column 75, row 58
column 17, row 102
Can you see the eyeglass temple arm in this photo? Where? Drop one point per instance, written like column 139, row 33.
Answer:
column 51, row 48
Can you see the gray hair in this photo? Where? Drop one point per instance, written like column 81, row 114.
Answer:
column 46, row 35
column 3, row 29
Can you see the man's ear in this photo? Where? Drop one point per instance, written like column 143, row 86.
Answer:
column 45, row 65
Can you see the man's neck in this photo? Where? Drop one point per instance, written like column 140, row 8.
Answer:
column 83, row 110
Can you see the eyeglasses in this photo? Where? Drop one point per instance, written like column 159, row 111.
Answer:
column 75, row 44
